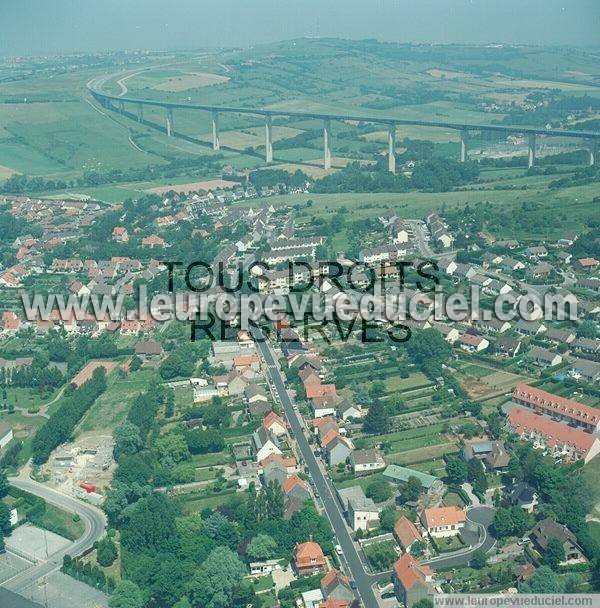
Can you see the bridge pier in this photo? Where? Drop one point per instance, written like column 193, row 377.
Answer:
column 464, row 146
column 268, row 138
column 531, row 151
column 392, row 147
column 169, row 122
column 326, row 144
column 215, row 131
column 140, row 112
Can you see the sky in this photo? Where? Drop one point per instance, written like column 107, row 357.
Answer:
column 45, row 27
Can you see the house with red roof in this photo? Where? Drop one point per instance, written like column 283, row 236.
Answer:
column 587, row 264
column 412, row 580
column 443, row 521
column 309, row 558
column 473, row 343
column 10, row 321
column 153, row 241
column 335, row 585
column 406, row 533
column 274, row 423
column 120, row 234
column 560, row 440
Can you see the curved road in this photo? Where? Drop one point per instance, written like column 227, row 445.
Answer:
column 93, row 518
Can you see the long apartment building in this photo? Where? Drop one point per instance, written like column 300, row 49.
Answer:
column 567, row 410
column 559, row 439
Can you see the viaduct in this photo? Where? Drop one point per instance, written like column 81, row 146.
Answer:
column 108, row 101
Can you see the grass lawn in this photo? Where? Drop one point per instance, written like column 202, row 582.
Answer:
column 452, row 498
column 110, row 409
column 191, row 504
column 211, row 460
column 410, row 457
column 61, row 522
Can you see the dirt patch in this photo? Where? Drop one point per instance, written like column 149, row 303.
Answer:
column 86, row 373
column 6, row 172
column 190, row 80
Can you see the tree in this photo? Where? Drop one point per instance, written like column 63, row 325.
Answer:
column 106, row 552
column 587, row 329
column 503, row 523
column 379, row 491
column 261, row 547
column 476, row 475
column 135, row 364
column 412, row 490
column 127, row 439
column 478, row 559
column 216, row 578
column 456, row 469
column 4, row 518
column 4, row 485
column 174, row 446
column 423, row 603
column 543, row 580
column 126, row 595
column 555, row 553
column 388, row 518
column 377, row 420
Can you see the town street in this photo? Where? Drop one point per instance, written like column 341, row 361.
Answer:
column 362, row 578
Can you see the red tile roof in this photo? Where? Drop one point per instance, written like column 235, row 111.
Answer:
column 443, row 516
column 406, row 532
column 292, row 481
column 539, row 399
column 409, row 571
column 308, row 555
column 554, row 433
column 286, row 462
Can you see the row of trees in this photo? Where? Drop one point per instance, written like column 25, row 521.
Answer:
column 74, row 404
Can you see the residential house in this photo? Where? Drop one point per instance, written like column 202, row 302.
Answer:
column 366, row 461
column 587, row 264
column 559, row 336
column 473, row 343
column 337, row 448
column 413, row 581
column 441, row 522
column 544, row 357
column 347, row 410
column 530, row 328
column 120, row 234
column 406, row 533
column 264, row 443
column 362, row 512
column 548, row 529
column 522, row 495
column 586, row 345
column 148, row 350
column 336, row 584
column 507, row 346
column 274, row 424
column 536, row 252
column 309, row 558
column 493, row 454
column 231, row 384
column 584, row 369
column 451, row 334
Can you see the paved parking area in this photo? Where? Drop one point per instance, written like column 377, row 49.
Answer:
column 34, row 543
column 11, row 565
column 61, row 591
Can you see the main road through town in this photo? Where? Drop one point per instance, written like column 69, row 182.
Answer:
column 93, row 519
column 362, row 578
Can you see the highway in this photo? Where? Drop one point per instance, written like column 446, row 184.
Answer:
column 93, row 518
column 95, row 88
column 362, row 578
